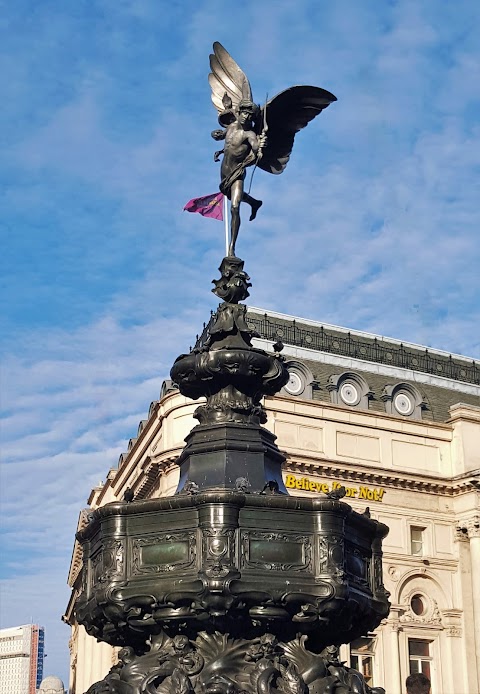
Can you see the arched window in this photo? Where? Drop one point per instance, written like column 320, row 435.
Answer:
column 300, row 382
column 404, row 400
column 350, row 389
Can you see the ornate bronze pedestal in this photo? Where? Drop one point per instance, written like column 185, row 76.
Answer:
column 231, row 585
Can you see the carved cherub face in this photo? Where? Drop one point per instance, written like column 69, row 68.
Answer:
column 181, row 643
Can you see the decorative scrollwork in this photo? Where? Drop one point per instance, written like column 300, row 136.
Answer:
column 261, row 549
column 216, row 663
column 181, row 546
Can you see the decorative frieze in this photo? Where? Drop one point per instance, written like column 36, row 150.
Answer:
column 430, row 617
column 453, row 631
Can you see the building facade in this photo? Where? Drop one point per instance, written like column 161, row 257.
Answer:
column 398, row 426
column 21, row 659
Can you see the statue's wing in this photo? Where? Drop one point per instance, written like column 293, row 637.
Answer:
column 285, row 115
column 228, row 78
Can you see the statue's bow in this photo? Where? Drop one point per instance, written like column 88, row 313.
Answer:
column 264, row 130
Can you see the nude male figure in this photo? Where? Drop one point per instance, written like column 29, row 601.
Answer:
column 243, row 148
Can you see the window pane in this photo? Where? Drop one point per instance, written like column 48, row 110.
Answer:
column 417, row 605
column 362, row 645
column 417, row 549
column 426, row 669
column 367, row 667
column 416, row 540
column 419, row 647
column 414, row 667
column 354, row 662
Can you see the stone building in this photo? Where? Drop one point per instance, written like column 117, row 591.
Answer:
column 398, row 425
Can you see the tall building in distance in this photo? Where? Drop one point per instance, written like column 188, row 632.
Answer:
column 398, row 426
column 21, row 659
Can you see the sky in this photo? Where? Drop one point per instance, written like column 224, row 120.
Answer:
column 105, row 135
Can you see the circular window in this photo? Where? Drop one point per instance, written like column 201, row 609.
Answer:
column 403, row 403
column 295, row 384
column 417, row 603
column 349, row 393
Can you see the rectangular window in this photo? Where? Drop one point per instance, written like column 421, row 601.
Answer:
column 361, row 657
column 420, row 658
column 416, row 541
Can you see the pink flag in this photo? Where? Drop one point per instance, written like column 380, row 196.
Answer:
column 208, row 206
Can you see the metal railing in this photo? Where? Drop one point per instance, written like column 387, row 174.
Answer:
column 374, row 350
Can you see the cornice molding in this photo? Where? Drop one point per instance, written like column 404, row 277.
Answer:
column 381, row 477
column 407, row 565
column 77, row 554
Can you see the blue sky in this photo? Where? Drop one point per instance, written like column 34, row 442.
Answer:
column 105, row 134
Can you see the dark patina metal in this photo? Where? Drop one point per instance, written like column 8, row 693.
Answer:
column 233, row 376
column 255, row 136
column 221, row 588
column 231, row 567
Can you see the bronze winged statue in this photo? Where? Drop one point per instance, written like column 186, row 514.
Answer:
column 254, row 135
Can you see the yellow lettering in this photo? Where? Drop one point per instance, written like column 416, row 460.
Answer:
column 381, row 492
column 318, row 487
column 290, row 481
column 363, row 493
column 370, row 495
column 312, row 486
column 325, row 489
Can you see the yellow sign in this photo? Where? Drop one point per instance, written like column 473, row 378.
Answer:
column 368, row 493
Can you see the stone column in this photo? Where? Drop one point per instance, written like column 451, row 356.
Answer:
column 466, row 592
column 454, row 675
column 473, row 530
column 393, row 682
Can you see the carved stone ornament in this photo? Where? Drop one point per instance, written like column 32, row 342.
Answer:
column 461, row 533
column 468, row 528
column 473, row 527
column 432, row 616
column 453, row 631
column 393, row 573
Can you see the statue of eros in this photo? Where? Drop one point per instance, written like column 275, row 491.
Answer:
column 254, row 135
